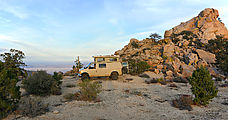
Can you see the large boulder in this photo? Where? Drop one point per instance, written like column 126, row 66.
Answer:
column 206, row 26
column 191, row 58
column 207, row 56
column 168, row 50
column 154, row 75
column 202, row 63
column 187, row 70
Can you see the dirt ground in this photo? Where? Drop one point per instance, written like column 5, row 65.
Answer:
column 141, row 102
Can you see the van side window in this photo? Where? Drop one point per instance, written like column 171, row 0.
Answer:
column 100, row 59
column 113, row 59
column 102, row 65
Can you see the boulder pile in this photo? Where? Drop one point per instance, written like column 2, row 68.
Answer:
column 179, row 53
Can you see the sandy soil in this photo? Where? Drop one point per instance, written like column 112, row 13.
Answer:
column 153, row 103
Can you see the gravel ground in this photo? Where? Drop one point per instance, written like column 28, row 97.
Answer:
column 131, row 100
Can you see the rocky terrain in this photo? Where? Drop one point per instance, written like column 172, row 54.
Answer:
column 136, row 97
column 133, row 100
column 206, row 26
column 182, row 49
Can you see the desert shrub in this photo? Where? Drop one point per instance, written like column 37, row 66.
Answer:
column 137, row 67
column 32, row 107
column 89, row 90
column 42, row 84
column 70, row 85
column 72, row 96
column 155, row 36
column 56, row 87
column 173, row 85
column 58, row 77
column 203, row 86
column 9, row 92
column 144, row 75
column 134, row 44
column 160, row 79
column 175, row 40
column 183, row 102
column 9, row 72
column 219, row 47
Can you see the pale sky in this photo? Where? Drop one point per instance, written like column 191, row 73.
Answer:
column 60, row 30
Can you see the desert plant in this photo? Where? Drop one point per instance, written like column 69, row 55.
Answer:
column 219, row 47
column 137, row 67
column 203, row 86
column 41, row 83
column 57, row 77
column 9, row 92
column 70, row 85
column 134, row 44
column 89, row 90
column 72, row 96
column 155, row 36
column 183, row 102
column 78, row 66
column 32, row 106
column 10, row 69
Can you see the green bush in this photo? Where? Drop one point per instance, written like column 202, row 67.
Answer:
column 137, row 67
column 56, row 87
column 219, row 47
column 134, row 44
column 89, row 90
column 71, row 96
column 9, row 92
column 32, row 107
column 9, row 72
column 202, row 86
column 41, row 84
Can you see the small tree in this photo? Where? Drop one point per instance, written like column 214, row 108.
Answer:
column 202, row 86
column 14, row 59
column 155, row 36
column 78, row 63
column 9, row 72
column 219, row 47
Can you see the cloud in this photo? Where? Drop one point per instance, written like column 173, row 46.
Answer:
column 4, row 20
column 15, row 10
column 2, row 50
column 9, row 39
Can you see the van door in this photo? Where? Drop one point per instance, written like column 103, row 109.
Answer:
column 92, row 70
column 102, row 69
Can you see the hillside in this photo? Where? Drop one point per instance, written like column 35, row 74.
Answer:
column 183, row 49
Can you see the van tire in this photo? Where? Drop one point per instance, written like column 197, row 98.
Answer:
column 124, row 70
column 114, row 75
column 85, row 76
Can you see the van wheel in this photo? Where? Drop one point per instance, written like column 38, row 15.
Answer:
column 85, row 77
column 114, row 76
column 124, row 70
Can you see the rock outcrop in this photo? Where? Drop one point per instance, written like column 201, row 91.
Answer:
column 183, row 48
column 206, row 26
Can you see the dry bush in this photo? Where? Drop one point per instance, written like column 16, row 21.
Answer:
column 70, row 85
column 42, row 84
column 71, row 96
column 31, row 107
column 89, row 90
column 184, row 102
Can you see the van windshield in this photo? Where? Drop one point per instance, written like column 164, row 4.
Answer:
column 87, row 65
